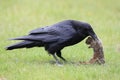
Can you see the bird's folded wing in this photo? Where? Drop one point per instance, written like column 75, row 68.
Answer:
column 44, row 38
column 43, row 30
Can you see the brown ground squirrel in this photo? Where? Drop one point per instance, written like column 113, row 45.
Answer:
column 97, row 49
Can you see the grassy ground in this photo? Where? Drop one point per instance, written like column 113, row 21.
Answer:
column 18, row 17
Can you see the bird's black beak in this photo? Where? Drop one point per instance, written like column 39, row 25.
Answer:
column 94, row 36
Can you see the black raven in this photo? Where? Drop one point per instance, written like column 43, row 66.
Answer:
column 55, row 37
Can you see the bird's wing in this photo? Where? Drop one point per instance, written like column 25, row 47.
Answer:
column 53, row 33
column 44, row 30
column 44, row 38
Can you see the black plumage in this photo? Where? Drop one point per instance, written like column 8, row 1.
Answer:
column 55, row 37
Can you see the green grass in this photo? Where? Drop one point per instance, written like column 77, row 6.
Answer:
column 18, row 17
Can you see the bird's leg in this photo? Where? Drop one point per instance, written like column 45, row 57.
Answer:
column 58, row 53
column 57, row 61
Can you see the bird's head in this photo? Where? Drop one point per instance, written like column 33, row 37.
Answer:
column 85, row 29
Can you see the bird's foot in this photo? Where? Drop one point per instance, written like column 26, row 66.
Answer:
column 59, row 64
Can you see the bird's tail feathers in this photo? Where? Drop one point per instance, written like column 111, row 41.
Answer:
column 19, row 45
column 21, row 38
